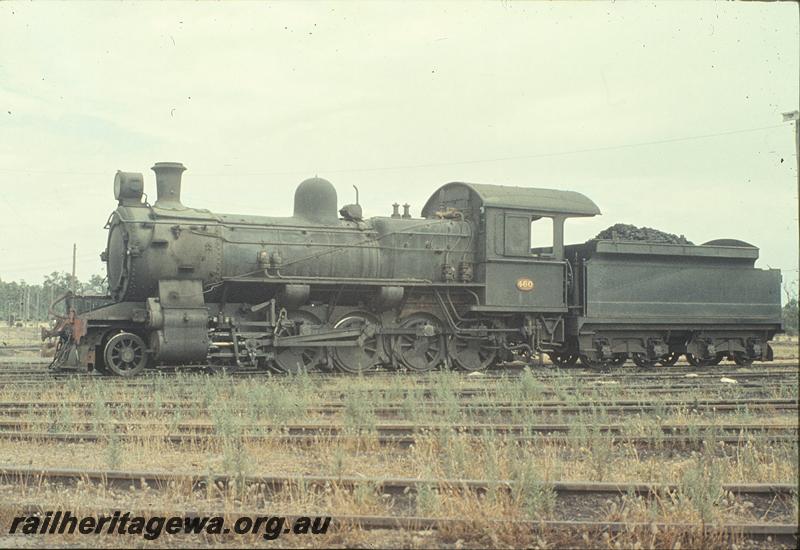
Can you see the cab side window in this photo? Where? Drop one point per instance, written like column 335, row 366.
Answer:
column 517, row 235
column 542, row 233
column 526, row 235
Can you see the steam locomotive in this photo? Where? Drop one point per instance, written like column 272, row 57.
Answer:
column 460, row 287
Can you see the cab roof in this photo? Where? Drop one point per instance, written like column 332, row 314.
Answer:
column 547, row 201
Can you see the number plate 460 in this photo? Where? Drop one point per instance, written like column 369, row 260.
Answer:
column 524, row 284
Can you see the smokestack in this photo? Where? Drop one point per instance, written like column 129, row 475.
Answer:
column 168, row 184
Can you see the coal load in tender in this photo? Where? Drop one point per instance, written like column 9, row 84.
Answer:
column 627, row 232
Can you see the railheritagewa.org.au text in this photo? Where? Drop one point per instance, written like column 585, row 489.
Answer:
column 153, row 527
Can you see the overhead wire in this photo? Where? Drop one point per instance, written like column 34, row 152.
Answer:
column 441, row 163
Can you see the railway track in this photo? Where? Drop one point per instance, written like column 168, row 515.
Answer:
column 408, row 430
column 483, row 378
column 395, row 486
column 768, row 382
column 16, row 408
column 364, row 436
column 41, row 371
column 22, row 347
column 329, row 398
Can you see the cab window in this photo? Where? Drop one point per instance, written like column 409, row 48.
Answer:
column 542, row 233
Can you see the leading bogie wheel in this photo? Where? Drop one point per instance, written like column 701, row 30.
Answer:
column 423, row 350
column 125, row 354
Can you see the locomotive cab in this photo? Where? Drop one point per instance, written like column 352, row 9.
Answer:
column 517, row 277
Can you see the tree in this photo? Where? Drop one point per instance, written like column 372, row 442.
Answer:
column 790, row 317
column 18, row 299
column 96, row 286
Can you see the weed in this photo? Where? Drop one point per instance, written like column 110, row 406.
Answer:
column 426, row 500
column 601, row 447
column 338, row 461
column 359, row 414
column 411, row 408
column 365, row 495
column 701, row 487
column 113, row 451
column 529, row 388
column 530, row 493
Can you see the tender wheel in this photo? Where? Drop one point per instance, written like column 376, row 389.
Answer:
column 669, row 359
column 643, row 362
column 619, row 359
column 564, row 359
column 420, row 352
column 596, row 364
column 741, row 359
column 716, row 360
column 474, row 352
column 695, row 362
column 365, row 355
column 125, row 354
column 295, row 360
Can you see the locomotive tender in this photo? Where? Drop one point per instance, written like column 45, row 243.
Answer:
column 460, row 287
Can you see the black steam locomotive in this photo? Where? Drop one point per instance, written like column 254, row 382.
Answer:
column 461, row 287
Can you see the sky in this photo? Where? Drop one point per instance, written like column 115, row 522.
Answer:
column 667, row 115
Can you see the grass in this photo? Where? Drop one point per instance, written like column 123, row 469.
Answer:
column 113, row 454
column 238, row 407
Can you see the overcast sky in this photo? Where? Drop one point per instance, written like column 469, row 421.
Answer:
column 398, row 99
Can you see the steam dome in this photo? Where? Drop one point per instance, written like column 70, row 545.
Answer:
column 315, row 201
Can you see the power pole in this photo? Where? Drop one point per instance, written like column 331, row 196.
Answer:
column 794, row 116
column 74, row 254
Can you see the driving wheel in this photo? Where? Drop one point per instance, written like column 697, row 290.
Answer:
column 366, row 353
column 475, row 350
column 295, row 360
column 423, row 350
